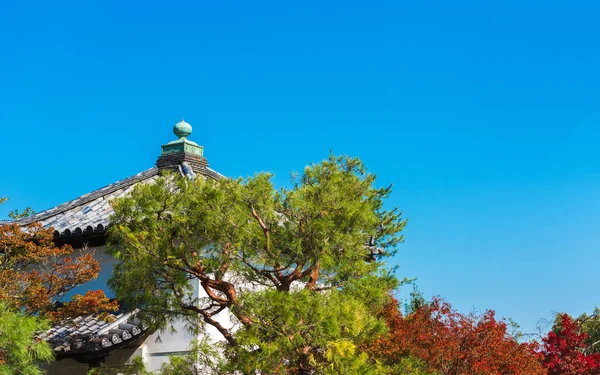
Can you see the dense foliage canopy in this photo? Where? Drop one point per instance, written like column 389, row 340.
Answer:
column 565, row 349
column 275, row 259
column 19, row 350
column 294, row 280
column 451, row 343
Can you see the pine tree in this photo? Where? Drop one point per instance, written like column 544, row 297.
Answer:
column 300, row 269
column 19, row 349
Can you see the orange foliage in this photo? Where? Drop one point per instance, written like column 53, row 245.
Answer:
column 91, row 301
column 454, row 344
column 35, row 273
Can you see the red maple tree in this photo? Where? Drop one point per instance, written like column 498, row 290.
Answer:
column 564, row 351
column 35, row 274
column 451, row 343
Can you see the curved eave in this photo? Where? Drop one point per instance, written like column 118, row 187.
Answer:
column 85, row 219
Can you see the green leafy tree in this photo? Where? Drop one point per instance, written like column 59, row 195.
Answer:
column 19, row 349
column 410, row 366
column 136, row 367
column 273, row 258
column 415, row 302
column 321, row 330
column 590, row 325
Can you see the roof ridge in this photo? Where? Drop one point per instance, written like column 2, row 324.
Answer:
column 88, row 197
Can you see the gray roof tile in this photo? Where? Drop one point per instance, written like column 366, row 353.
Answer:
column 89, row 209
column 93, row 209
column 80, row 330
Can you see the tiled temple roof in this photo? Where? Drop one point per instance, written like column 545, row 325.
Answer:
column 89, row 214
column 94, row 335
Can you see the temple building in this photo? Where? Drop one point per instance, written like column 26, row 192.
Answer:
column 82, row 222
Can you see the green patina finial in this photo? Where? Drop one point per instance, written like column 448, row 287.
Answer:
column 182, row 129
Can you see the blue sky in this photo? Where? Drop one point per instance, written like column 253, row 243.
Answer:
column 483, row 116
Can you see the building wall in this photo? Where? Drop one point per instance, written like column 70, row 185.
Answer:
column 158, row 346
column 107, row 264
column 174, row 340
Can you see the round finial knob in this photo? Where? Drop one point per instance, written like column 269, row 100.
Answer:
column 182, row 129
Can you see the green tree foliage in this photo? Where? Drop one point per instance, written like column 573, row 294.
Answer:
column 415, row 302
column 19, row 350
column 321, row 330
column 136, row 367
column 590, row 325
column 410, row 366
column 203, row 358
column 273, row 258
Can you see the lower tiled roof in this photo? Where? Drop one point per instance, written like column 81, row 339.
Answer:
column 94, row 333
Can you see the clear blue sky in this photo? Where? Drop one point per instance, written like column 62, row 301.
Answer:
column 484, row 117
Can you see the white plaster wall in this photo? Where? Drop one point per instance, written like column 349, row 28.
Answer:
column 156, row 351
column 160, row 345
